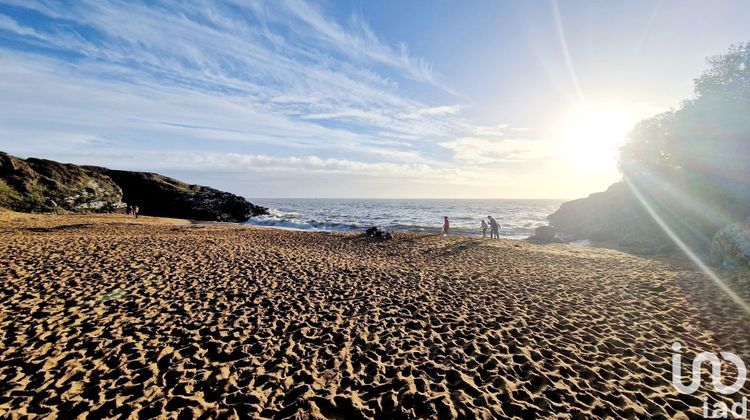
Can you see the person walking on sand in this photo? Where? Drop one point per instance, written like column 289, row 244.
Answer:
column 483, row 227
column 494, row 228
column 446, row 225
column 135, row 211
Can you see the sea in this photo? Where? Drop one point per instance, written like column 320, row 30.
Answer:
column 517, row 218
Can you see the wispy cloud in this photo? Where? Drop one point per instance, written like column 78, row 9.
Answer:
column 10, row 25
column 240, row 85
column 360, row 42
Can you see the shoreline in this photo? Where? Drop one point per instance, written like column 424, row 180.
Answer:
column 437, row 230
column 358, row 231
column 113, row 316
column 518, row 218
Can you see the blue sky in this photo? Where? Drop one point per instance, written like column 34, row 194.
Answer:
column 352, row 98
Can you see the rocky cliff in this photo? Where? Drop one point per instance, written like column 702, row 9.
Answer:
column 158, row 195
column 613, row 216
column 616, row 216
column 39, row 185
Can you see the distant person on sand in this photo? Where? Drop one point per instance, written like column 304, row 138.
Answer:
column 483, row 226
column 494, row 228
column 446, row 225
column 135, row 211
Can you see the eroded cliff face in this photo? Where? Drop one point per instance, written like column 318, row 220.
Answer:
column 39, row 185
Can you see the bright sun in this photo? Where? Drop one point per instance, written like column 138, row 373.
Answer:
column 592, row 137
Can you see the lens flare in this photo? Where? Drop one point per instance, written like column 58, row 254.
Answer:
column 686, row 249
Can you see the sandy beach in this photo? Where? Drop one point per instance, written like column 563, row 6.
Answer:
column 112, row 316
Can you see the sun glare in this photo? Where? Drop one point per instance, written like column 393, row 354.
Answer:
column 592, row 137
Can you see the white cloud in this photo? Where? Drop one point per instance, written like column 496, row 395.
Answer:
column 482, row 151
column 491, row 131
column 265, row 164
column 195, row 86
column 209, row 49
column 438, row 110
column 8, row 24
column 88, row 109
column 360, row 42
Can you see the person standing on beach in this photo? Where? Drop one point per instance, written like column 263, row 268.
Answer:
column 135, row 211
column 483, row 226
column 446, row 225
column 494, row 228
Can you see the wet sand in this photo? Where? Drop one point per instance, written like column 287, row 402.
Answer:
column 111, row 316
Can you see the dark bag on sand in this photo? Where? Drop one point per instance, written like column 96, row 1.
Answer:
column 371, row 232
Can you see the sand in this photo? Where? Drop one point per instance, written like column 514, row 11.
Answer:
column 108, row 316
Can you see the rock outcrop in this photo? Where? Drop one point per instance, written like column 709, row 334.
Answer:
column 617, row 217
column 730, row 248
column 612, row 216
column 158, row 195
column 39, row 185
column 544, row 235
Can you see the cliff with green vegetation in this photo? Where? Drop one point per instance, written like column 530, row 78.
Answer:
column 687, row 173
column 39, row 185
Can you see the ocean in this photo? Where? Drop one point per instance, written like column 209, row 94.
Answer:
column 517, row 218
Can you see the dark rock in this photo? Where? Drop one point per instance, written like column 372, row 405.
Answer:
column 544, row 235
column 614, row 216
column 158, row 195
column 38, row 185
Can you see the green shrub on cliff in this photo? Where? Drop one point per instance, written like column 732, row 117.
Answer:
column 40, row 185
column 693, row 163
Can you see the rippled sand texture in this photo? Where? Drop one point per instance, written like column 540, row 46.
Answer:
column 106, row 316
